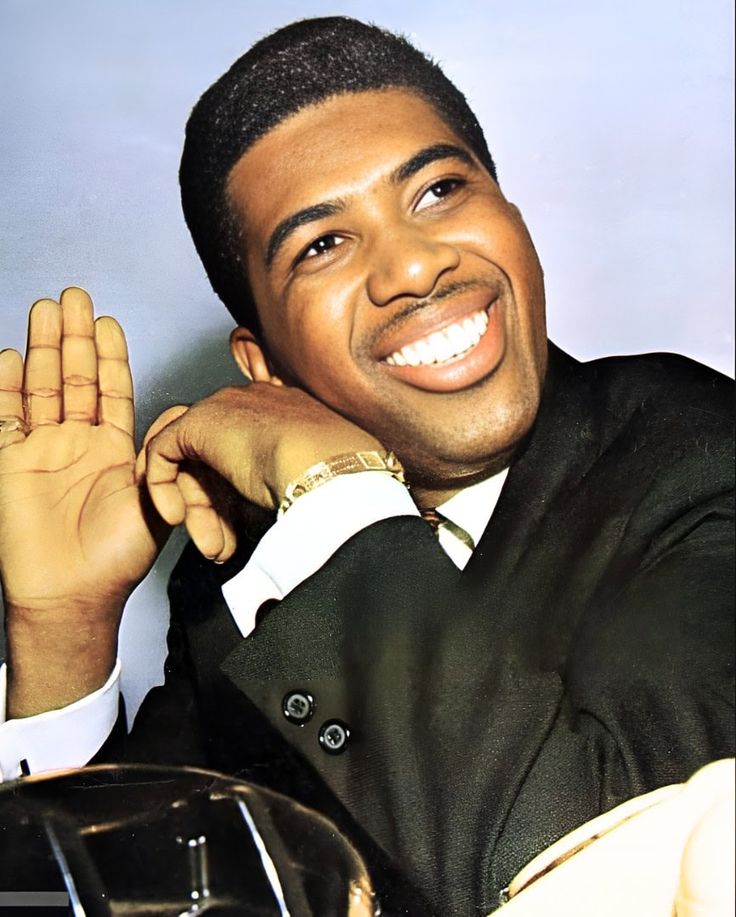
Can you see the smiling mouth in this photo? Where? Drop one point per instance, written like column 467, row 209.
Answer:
column 467, row 347
column 452, row 342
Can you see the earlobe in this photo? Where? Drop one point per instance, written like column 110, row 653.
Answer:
column 251, row 358
column 519, row 217
column 516, row 210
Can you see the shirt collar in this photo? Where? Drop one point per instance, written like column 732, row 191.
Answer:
column 472, row 507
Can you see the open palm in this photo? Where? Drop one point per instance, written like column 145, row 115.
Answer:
column 74, row 526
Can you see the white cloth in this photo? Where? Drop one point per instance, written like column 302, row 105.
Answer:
column 59, row 738
column 669, row 851
column 287, row 555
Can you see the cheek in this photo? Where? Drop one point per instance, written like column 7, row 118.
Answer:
column 510, row 246
column 314, row 330
column 515, row 254
column 491, row 231
column 313, row 350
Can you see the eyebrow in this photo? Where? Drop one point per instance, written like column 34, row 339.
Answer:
column 308, row 215
column 428, row 155
column 401, row 174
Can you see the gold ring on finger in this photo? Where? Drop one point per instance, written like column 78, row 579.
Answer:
column 11, row 425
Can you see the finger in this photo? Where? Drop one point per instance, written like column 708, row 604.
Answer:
column 203, row 522
column 115, row 383
column 163, row 420
column 168, row 501
column 78, row 356
column 11, row 384
column 226, row 501
column 204, row 488
column 42, row 377
column 230, row 541
column 163, row 457
column 11, row 399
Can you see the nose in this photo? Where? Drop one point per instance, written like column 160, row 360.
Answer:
column 408, row 261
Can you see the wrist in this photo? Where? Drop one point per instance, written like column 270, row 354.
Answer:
column 337, row 465
column 57, row 656
column 292, row 458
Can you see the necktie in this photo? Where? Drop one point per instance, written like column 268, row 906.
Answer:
column 433, row 518
column 441, row 525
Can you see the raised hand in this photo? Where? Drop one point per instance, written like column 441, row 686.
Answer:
column 76, row 531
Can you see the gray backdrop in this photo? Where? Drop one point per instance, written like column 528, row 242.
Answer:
column 611, row 123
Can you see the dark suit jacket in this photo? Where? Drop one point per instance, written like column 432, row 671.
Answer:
column 585, row 654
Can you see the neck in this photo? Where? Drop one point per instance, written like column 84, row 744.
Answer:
column 430, row 498
column 429, row 494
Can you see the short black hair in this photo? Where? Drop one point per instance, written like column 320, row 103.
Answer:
column 302, row 64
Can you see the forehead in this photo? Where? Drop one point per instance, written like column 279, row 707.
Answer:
column 336, row 149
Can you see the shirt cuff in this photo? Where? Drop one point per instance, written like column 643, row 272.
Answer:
column 308, row 534
column 57, row 739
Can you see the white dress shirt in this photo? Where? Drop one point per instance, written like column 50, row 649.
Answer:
column 288, row 554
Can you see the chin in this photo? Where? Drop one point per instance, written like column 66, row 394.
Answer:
column 469, row 453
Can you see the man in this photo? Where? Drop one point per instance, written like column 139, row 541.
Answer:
column 455, row 695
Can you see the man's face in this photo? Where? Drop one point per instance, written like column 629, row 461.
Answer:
column 394, row 282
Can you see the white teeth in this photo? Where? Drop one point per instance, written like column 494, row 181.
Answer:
column 442, row 345
column 410, row 355
column 457, row 336
column 425, row 350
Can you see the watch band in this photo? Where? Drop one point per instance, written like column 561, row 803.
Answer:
column 346, row 463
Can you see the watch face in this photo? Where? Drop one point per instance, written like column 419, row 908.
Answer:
column 172, row 841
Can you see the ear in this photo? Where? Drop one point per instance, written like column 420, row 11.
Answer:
column 251, row 357
column 516, row 210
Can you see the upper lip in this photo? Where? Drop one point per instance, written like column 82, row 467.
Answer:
column 434, row 314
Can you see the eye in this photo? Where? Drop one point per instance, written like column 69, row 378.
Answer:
column 439, row 191
column 320, row 246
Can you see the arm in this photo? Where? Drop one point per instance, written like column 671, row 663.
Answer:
column 76, row 532
column 87, row 532
column 285, row 557
column 305, row 538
